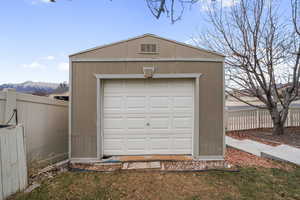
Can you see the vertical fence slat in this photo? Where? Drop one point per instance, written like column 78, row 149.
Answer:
column 5, row 161
column 257, row 118
column 22, row 167
column 12, row 138
column 13, row 161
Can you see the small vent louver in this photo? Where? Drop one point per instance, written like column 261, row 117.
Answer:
column 148, row 48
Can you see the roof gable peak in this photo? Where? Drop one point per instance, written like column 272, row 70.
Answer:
column 148, row 35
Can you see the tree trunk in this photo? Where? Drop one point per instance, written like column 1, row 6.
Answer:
column 278, row 129
column 278, row 120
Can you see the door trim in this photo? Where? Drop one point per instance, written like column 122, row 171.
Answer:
column 100, row 77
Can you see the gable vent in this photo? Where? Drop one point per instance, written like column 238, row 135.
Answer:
column 148, row 48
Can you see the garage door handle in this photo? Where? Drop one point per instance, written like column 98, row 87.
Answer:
column 148, row 124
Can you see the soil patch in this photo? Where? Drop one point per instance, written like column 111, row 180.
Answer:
column 243, row 159
column 264, row 135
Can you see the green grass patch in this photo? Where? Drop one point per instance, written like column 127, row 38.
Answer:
column 253, row 183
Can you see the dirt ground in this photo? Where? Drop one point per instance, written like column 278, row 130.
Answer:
column 243, row 159
column 290, row 137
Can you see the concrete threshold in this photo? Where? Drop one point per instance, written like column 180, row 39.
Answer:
column 141, row 165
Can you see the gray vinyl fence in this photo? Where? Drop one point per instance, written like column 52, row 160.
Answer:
column 257, row 118
column 13, row 168
column 45, row 122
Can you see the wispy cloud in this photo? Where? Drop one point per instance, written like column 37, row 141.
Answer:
column 63, row 66
column 49, row 58
column 34, row 65
column 192, row 41
column 228, row 3
column 207, row 5
column 34, row 2
column 39, row 63
column 49, row 62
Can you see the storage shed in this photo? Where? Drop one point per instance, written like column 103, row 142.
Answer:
column 146, row 95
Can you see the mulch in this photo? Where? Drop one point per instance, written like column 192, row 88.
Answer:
column 264, row 135
column 96, row 167
column 243, row 159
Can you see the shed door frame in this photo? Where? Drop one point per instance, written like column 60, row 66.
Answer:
column 100, row 77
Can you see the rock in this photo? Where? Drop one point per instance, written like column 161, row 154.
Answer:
column 32, row 187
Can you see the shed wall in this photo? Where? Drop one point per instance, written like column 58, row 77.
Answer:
column 83, row 130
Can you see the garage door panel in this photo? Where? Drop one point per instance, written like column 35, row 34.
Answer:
column 159, row 143
column 182, row 142
column 184, row 122
column 136, row 123
column 113, row 103
column 183, row 110
column 159, row 123
column 183, row 102
column 153, row 116
column 110, row 133
column 159, row 102
column 182, row 134
column 182, row 114
column 135, row 103
column 158, row 84
column 136, row 143
column 113, row 144
column 113, row 123
column 114, row 86
column 134, row 85
column 186, row 84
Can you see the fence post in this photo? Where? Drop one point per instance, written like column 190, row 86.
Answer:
column 257, row 118
column 11, row 105
column 291, row 117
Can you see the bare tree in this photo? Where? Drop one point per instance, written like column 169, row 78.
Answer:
column 263, row 53
column 172, row 8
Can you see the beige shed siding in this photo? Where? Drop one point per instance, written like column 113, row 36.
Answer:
column 130, row 49
column 83, row 140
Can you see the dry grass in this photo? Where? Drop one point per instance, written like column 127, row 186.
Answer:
column 249, row 183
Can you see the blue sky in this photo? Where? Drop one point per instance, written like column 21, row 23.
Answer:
column 36, row 37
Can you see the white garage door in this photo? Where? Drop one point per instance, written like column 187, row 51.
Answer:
column 152, row 116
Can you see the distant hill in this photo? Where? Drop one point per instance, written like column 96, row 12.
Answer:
column 31, row 87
